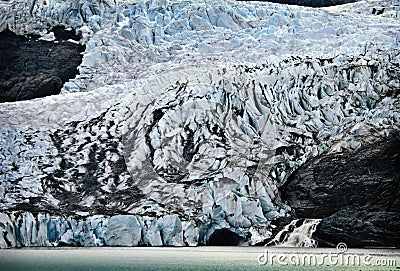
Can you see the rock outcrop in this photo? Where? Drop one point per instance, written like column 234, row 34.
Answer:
column 357, row 193
column 312, row 3
column 32, row 67
column 359, row 227
column 368, row 177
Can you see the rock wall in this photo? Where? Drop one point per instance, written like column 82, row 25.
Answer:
column 313, row 3
column 33, row 67
column 355, row 192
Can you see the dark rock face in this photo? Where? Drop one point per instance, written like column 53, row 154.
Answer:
column 32, row 68
column 313, row 3
column 360, row 228
column 356, row 193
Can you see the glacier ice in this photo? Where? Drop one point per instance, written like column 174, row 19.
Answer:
column 187, row 116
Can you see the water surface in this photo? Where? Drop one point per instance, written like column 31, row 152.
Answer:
column 189, row 258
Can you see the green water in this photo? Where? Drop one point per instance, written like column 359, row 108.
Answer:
column 196, row 258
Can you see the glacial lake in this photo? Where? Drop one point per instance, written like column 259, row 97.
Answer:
column 197, row 258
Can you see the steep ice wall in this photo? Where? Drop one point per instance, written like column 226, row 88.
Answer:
column 194, row 112
column 25, row 229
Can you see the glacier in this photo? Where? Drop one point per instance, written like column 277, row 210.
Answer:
column 188, row 117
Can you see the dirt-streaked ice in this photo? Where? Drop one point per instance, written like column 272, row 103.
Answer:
column 187, row 116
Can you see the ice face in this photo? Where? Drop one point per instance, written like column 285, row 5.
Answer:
column 193, row 114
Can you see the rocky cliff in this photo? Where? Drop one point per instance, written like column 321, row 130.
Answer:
column 33, row 67
column 195, row 122
column 355, row 192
